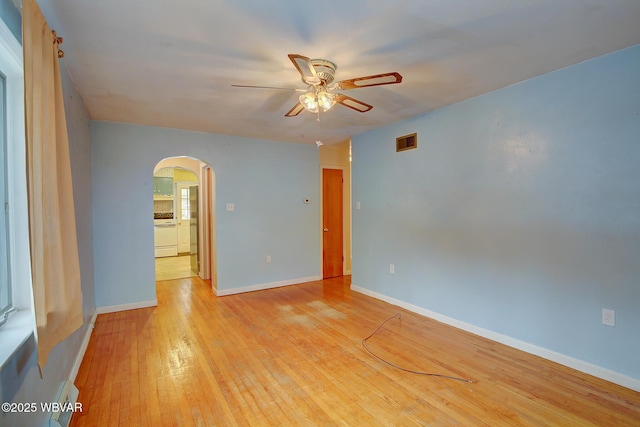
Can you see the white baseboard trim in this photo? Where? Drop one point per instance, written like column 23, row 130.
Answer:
column 571, row 362
column 263, row 286
column 83, row 348
column 124, row 307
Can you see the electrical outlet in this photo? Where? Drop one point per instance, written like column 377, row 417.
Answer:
column 608, row 317
column 268, row 259
column 392, row 268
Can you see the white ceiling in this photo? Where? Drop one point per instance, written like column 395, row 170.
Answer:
column 172, row 63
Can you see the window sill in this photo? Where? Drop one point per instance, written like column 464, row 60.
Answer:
column 14, row 333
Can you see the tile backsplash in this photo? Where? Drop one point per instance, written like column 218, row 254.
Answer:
column 163, row 206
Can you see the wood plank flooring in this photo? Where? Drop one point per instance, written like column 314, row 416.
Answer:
column 293, row 356
column 173, row 267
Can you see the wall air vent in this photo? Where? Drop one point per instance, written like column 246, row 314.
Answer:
column 65, row 407
column 407, row 142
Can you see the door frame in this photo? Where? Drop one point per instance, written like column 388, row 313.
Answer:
column 206, row 225
column 194, row 230
column 206, row 244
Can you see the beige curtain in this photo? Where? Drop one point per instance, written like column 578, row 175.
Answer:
column 55, row 266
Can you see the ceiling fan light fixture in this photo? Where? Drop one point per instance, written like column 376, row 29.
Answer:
column 317, row 98
column 309, row 102
column 326, row 100
column 318, row 74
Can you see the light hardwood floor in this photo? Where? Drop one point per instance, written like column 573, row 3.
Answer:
column 173, row 267
column 293, row 356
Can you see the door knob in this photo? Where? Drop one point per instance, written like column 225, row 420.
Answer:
column 325, row 230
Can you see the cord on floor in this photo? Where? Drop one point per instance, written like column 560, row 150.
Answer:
column 397, row 315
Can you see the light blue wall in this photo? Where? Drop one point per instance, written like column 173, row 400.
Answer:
column 20, row 379
column 11, row 16
column 519, row 212
column 267, row 181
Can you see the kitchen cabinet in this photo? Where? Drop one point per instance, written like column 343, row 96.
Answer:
column 162, row 186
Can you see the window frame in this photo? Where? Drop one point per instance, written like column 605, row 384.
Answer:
column 6, row 288
column 21, row 323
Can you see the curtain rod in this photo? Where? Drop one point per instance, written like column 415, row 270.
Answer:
column 58, row 41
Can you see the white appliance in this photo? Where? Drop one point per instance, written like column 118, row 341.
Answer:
column 166, row 238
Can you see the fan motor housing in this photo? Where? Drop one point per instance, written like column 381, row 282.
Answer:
column 326, row 70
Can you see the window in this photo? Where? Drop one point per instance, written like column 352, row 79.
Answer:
column 5, row 280
column 185, row 204
column 15, row 266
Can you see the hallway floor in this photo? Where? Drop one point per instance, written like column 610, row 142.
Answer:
column 173, row 267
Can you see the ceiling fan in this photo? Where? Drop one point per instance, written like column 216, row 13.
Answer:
column 319, row 74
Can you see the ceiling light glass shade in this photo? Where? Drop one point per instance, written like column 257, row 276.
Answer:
column 325, row 100
column 309, row 102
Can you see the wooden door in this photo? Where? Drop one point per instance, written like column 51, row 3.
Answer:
column 193, row 224
column 332, row 256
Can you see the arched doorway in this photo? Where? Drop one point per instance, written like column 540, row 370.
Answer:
column 184, row 219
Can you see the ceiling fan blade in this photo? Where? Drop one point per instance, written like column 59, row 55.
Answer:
column 271, row 87
column 297, row 109
column 305, row 68
column 375, row 80
column 352, row 103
